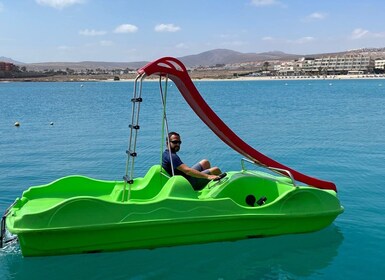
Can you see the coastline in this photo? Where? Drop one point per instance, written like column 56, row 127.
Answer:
column 330, row 77
column 290, row 78
column 197, row 78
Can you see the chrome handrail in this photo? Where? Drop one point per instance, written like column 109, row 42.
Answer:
column 273, row 169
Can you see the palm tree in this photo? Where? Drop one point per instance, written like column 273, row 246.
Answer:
column 265, row 66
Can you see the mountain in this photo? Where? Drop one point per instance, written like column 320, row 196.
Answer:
column 10, row 60
column 224, row 56
column 208, row 58
column 84, row 65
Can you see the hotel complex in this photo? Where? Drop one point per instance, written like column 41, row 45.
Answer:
column 330, row 65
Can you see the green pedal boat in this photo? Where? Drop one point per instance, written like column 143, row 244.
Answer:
column 76, row 214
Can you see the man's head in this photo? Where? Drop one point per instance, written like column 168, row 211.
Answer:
column 174, row 140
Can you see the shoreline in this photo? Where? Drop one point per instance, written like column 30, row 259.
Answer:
column 197, row 79
column 329, row 77
column 290, row 78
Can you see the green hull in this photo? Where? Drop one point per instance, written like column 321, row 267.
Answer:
column 76, row 214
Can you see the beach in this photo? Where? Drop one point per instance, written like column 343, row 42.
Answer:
column 329, row 77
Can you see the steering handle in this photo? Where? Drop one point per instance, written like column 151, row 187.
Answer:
column 220, row 176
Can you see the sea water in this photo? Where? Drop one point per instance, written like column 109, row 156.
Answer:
column 330, row 129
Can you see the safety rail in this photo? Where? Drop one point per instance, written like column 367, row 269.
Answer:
column 273, row 169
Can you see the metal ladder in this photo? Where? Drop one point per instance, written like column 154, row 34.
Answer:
column 134, row 127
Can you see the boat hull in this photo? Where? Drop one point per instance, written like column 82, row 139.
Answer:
column 164, row 233
column 82, row 215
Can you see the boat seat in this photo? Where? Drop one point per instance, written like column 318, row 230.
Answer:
column 177, row 187
column 143, row 188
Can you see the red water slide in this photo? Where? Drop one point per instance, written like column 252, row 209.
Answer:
column 177, row 72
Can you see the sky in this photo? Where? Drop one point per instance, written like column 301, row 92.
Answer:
column 34, row 31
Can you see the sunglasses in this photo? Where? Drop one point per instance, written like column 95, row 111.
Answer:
column 176, row 142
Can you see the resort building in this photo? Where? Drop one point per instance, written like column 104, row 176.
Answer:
column 329, row 65
column 346, row 64
column 379, row 64
column 287, row 68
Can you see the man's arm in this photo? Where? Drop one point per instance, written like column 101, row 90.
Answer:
column 195, row 173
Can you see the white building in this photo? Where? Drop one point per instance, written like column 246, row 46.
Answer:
column 335, row 65
column 379, row 64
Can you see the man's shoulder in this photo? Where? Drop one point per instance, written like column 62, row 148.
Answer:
column 166, row 154
column 176, row 158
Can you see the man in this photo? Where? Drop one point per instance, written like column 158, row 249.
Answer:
column 198, row 175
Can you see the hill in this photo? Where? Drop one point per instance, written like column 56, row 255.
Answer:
column 10, row 60
column 84, row 65
column 208, row 58
column 224, row 56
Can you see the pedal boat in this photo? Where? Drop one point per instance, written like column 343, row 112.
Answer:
column 76, row 214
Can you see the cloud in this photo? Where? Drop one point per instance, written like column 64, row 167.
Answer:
column 181, row 46
column 305, row 40
column 58, row 4
column 315, row 16
column 265, row 3
column 379, row 35
column 358, row 33
column 106, row 43
column 167, row 28
column 92, row 32
column 63, row 48
column 299, row 41
column 126, row 28
column 267, row 38
column 225, row 36
column 235, row 43
column 302, row 40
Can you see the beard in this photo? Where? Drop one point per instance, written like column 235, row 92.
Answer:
column 175, row 149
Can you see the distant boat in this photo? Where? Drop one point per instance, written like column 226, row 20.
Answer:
column 116, row 78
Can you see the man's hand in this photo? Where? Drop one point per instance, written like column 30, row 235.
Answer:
column 213, row 177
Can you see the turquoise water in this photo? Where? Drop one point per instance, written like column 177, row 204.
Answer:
column 333, row 130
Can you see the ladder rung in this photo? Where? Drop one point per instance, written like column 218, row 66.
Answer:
column 128, row 180
column 133, row 154
column 134, row 126
column 137, row 99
